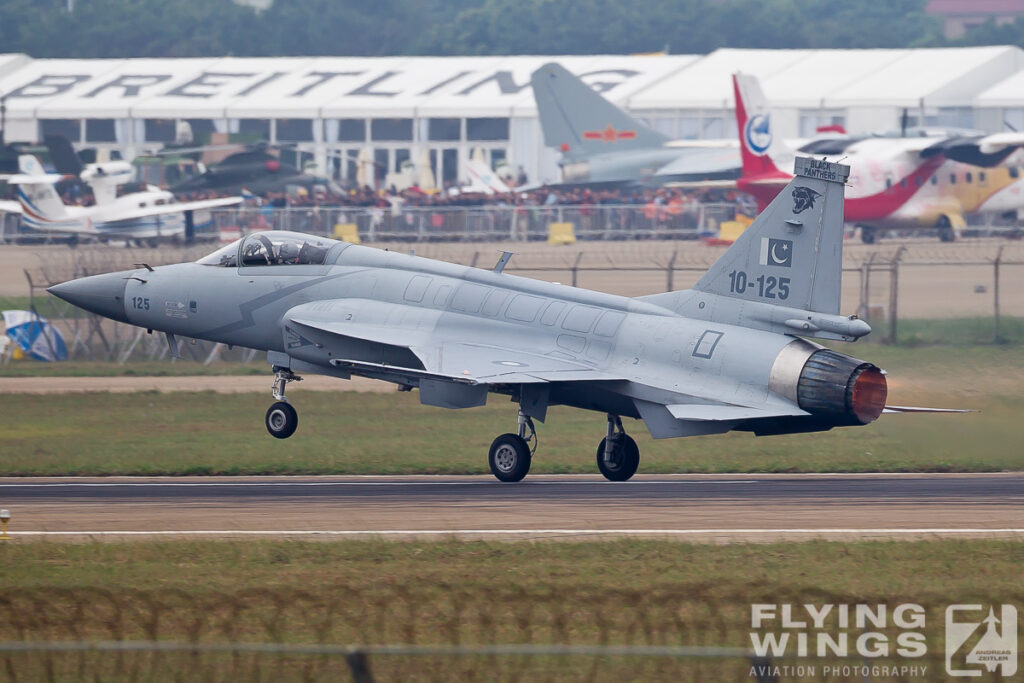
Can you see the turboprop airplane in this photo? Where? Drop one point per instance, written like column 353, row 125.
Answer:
column 728, row 354
column 150, row 215
column 603, row 145
column 924, row 179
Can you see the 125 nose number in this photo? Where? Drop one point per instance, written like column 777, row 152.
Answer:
column 767, row 286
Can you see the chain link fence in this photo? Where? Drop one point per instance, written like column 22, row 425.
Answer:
column 890, row 285
column 451, row 632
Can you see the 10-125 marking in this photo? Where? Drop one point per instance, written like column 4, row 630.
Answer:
column 767, row 286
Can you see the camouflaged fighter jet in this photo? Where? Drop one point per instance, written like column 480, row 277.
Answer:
column 728, row 354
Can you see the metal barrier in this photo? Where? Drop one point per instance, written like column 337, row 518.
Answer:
column 485, row 223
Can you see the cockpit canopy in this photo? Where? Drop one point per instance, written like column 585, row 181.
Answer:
column 272, row 248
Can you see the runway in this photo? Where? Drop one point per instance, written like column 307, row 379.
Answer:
column 716, row 508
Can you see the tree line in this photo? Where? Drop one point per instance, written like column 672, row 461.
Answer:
column 200, row 28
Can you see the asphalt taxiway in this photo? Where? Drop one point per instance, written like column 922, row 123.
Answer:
column 697, row 507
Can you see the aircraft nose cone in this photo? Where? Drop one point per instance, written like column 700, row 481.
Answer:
column 100, row 294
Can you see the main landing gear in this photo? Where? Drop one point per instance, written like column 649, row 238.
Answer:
column 511, row 454
column 618, row 455
column 282, row 420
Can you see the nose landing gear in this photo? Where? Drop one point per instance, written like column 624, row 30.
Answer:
column 511, row 455
column 282, row 419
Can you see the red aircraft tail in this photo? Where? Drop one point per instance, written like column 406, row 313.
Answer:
column 760, row 176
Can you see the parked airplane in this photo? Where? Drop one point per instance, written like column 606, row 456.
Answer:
column 255, row 170
column 926, row 179
column 722, row 356
column 483, row 179
column 149, row 215
column 601, row 144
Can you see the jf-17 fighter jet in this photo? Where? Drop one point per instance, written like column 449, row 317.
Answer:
column 729, row 354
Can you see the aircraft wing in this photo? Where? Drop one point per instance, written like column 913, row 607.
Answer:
column 977, row 150
column 421, row 354
column 714, row 162
column 177, row 207
column 7, row 206
column 477, row 364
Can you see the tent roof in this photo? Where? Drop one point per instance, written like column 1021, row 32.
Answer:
column 707, row 83
column 932, row 76
column 1008, row 92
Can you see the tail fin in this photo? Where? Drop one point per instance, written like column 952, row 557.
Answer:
column 762, row 150
column 40, row 202
column 579, row 122
column 483, row 178
column 63, row 155
column 792, row 254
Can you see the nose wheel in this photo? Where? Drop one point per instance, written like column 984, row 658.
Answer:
column 511, row 455
column 282, row 419
column 618, row 456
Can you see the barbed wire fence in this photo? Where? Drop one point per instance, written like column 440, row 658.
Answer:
column 447, row 632
column 872, row 276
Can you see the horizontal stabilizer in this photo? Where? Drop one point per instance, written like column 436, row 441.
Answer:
column 34, row 179
column 916, row 409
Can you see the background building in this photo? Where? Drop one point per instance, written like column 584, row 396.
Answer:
column 438, row 110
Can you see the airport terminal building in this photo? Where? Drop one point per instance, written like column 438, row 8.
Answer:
column 438, row 110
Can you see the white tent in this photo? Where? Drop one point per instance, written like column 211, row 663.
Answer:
column 439, row 108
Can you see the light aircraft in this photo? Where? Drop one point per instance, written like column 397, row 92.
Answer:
column 149, row 215
column 922, row 178
column 603, row 145
column 728, row 354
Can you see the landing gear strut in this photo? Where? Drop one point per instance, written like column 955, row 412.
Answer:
column 618, row 455
column 511, row 454
column 281, row 419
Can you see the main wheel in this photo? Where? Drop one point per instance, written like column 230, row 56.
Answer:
column 625, row 458
column 946, row 233
column 509, row 457
column 868, row 234
column 282, row 420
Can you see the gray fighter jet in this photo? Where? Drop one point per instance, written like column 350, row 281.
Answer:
column 728, row 354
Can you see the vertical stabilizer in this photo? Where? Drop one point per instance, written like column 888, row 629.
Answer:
column 579, row 122
column 762, row 151
column 39, row 199
column 792, row 254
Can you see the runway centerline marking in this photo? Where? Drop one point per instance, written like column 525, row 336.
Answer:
column 350, row 483
column 536, row 532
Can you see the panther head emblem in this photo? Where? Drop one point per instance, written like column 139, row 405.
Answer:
column 803, row 199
